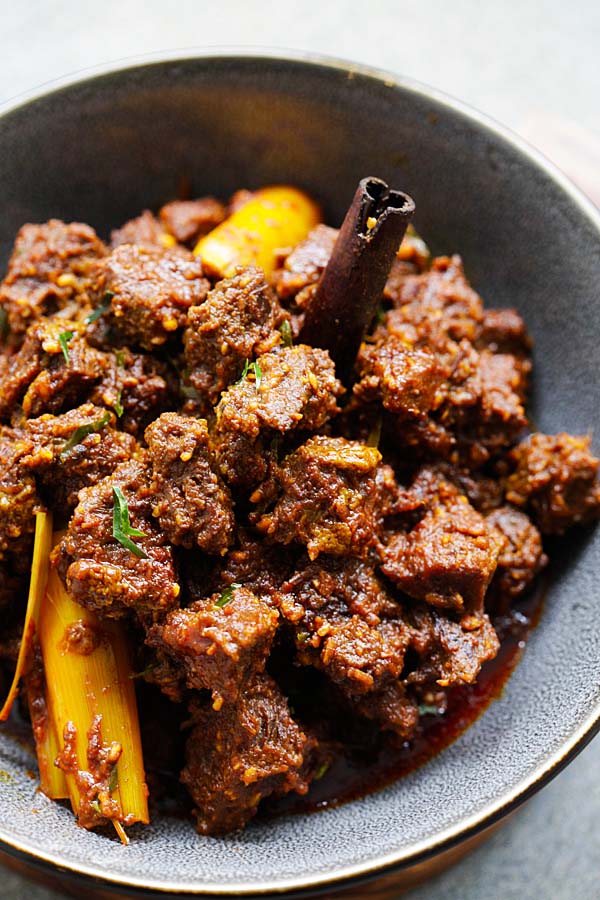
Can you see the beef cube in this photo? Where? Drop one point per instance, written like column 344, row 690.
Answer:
column 150, row 291
column 193, row 505
column 140, row 384
column 436, row 306
column 145, row 230
column 407, row 382
column 484, row 405
column 451, row 652
column 521, row 557
column 399, row 272
column 241, row 753
column 449, row 558
column 61, row 467
column 391, row 708
column 51, row 267
column 47, row 377
column 305, row 264
column 188, row 220
column 555, row 479
column 336, row 607
column 504, row 331
column 327, row 497
column 292, row 389
column 100, row 572
column 218, row 648
column 18, row 501
column 237, row 322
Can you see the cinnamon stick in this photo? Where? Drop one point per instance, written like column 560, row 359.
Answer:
column 350, row 287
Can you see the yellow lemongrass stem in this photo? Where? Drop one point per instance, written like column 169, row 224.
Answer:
column 275, row 218
column 37, row 586
column 86, row 663
column 52, row 779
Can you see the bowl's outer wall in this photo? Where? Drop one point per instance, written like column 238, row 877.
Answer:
column 101, row 151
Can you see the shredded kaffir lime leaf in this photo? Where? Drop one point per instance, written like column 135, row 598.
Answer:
column 100, row 310
column 122, row 530
column 321, row 770
column 63, row 339
column 82, row 432
column 252, row 367
column 120, row 354
column 113, row 781
column 96, row 807
column 118, row 406
column 426, row 709
column 286, row 334
column 227, row 595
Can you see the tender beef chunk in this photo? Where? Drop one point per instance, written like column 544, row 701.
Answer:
column 407, row 382
column 483, row 492
column 260, row 567
column 73, row 451
column 188, row 220
column 328, row 497
column 241, row 753
column 504, row 331
column 237, row 322
column 331, row 589
column 139, row 383
column 305, row 264
column 521, row 557
column 555, row 479
column 50, row 268
column 449, row 558
column 435, row 306
column 42, row 379
column 217, row 648
column 17, row 502
column 192, row 503
column 151, row 291
column 292, row 389
column 101, row 573
column 145, row 229
column 336, row 607
column 451, row 652
column 392, row 708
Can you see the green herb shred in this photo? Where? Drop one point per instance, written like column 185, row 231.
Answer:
column 120, row 355
column 63, row 339
column 426, row 709
column 321, row 770
column 118, row 406
column 252, row 367
column 141, row 674
column 100, row 310
column 227, row 595
column 286, row 334
column 113, row 780
column 96, row 807
column 82, row 432
column 122, row 530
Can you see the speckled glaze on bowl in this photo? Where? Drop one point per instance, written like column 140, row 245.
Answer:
column 103, row 146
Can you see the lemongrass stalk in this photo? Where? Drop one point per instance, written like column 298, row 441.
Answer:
column 37, row 586
column 88, row 675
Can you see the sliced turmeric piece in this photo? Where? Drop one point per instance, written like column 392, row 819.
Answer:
column 275, row 218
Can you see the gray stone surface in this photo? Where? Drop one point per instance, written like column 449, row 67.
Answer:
column 532, row 65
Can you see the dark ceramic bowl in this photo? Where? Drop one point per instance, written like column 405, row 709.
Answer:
column 103, row 146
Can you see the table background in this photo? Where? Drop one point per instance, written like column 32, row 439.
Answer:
column 533, row 65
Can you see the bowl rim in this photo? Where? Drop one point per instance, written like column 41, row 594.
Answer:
column 492, row 812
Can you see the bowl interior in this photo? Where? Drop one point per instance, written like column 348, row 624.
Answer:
column 103, row 149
